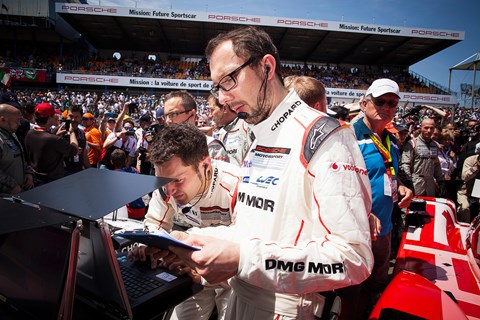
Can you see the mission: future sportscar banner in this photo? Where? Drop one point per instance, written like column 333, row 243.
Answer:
column 170, row 14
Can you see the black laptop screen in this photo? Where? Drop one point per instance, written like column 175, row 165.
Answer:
column 33, row 268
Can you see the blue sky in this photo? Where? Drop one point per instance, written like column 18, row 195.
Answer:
column 460, row 15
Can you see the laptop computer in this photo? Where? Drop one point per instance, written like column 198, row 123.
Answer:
column 38, row 259
column 111, row 284
column 103, row 277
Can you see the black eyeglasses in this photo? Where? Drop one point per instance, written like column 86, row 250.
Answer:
column 172, row 115
column 382, row 102
column 228, row 82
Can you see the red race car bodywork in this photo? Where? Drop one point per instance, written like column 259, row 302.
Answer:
column 437, row 274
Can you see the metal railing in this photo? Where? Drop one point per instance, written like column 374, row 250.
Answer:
column 429, row 83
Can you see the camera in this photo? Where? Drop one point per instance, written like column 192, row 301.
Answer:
column 130, row 131
column 67, row 124
column 151, row 131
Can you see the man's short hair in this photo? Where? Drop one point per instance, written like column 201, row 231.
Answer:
column 308, row 89
column 118, row 158
column 76, row 108
column 214, row 100
column 248, row 42
column 181, row 140
column 188, row 101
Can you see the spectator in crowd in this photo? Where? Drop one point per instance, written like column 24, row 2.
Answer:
column 303, row 212
column 232, row 131
column 159, row 115
column 381, row 155
column 468, row 205
column 309, row 89
column 46, row 151
column 11, row 99
column 469, row 139
column 94, row 139
column 201, row 194
column 109, row 128
column 471, row 134
column 436, row 133
column 448, row 163
column 136, row 208
column 15, row 173
column 143, row 165
column 79, row 161
column 124, row 140
column 455, row 146
column 401, row 135
column 420, row 161
column 143, row 122
column 180, row 107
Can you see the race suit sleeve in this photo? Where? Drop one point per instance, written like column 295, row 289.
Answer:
column 159, row 214
column 217, row 151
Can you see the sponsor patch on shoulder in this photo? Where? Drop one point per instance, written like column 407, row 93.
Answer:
column 316, row 134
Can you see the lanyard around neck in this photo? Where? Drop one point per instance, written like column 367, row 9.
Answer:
column 385, row 152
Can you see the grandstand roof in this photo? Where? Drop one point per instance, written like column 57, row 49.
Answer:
column 471, row 63
column 187, row 33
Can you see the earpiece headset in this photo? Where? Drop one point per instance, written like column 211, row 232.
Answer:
column 267, row 69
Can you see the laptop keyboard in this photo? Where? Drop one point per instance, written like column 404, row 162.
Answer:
column 136, row 283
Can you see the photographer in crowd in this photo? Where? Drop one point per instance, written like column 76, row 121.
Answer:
column 46, row 151
column 79, row 161
column 124, row 140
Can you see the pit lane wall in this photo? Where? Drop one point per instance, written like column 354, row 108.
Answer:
column 341, row 95
column 243, row 19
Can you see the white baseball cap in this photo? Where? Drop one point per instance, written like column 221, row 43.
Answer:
column 380, row 87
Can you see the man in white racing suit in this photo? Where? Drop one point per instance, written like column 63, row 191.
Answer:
column 180, row 107
column 303, row 202
column 232, row 131
column 201, row 194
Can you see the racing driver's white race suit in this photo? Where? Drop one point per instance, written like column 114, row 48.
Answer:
column 301, row 215
column 214, row 208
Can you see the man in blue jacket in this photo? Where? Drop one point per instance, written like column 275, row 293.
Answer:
column 381, row 155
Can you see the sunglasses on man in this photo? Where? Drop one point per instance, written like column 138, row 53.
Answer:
column 380, row 102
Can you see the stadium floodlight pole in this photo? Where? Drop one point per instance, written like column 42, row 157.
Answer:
column 449, row 81
column 474, row 80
